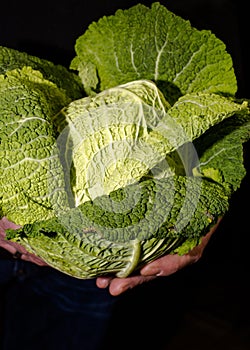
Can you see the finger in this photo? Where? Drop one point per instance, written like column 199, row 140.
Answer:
column 103, row 282
column 166, row 265
column 34, row 259
column 6, row 224
column 120, row 285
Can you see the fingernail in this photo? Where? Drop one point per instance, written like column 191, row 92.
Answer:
column 149, row 272
column 103, row 283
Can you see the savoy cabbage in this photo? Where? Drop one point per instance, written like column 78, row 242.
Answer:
column 131, row 153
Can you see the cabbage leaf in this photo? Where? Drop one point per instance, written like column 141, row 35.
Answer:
column 154, row 44
column 11, row 59
column 29, row 160
column 118, row 234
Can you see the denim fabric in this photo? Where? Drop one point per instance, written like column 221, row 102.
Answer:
column 45, row 309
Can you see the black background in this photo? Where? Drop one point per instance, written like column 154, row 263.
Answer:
column 203, row 306
column 49, row 28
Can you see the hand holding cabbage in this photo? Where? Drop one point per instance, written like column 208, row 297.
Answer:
column 164, row 266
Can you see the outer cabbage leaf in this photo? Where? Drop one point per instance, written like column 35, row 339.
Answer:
column 31, row 175
column 154, row 44
column 12, row 59
column 191, row 116
column 221, row 151
column 118, row 233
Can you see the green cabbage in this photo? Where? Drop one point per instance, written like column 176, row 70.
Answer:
column 134, row 155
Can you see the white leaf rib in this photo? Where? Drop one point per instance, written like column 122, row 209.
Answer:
column 22, row 121
column 30, row 159
column 187, row 64
column 132, row 59
column 157, row 61
column 214, row 156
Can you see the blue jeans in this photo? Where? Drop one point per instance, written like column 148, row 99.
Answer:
column 44, row 309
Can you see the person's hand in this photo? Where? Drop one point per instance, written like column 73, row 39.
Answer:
column 16, row 249
column 164, row 266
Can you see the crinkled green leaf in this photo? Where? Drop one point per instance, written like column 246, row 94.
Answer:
column 191, row 116
column 13, row 59
column 31, row 175
column 109, row 135
column 117, row 234
column 155, row 44
column 221, row 153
